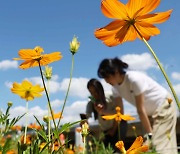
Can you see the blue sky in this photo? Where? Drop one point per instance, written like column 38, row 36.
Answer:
column 52, row 25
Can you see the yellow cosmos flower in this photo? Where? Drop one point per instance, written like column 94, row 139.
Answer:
column 135, row 148
column 132, row 20
column 118, row 116
column 32, row 57
column 26, row 90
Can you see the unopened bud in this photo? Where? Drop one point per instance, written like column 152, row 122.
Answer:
column 74, row 45
column 9, row 104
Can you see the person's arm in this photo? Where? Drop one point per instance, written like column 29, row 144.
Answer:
column 142, row 113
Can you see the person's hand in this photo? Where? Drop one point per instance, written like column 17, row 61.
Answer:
column 148, row 139
column 99, row 108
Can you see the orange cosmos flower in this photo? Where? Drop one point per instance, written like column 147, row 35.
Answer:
column 32, row 57
column 34, row 126
column 26, row 90
column 118, row 116
column 136, row 147
column 28, row 140
column 132, row 20
column 17, row 128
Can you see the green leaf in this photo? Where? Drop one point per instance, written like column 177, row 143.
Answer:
column 43, row 135
column 7, row 146
column 42, row 127
column 36, row 147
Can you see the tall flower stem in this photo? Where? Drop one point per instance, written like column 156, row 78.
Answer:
column 49, row 122
column 25, row 131
column 161, row 68
column 49, row 104
column 72, row 67
column 84, row 148
column 119, row 138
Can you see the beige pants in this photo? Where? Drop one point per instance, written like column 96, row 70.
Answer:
column 164, row 129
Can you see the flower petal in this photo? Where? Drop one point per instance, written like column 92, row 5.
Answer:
column 132, row 7
column 148, row 6
column 139, row 150
column 109, row 117
column 147, row 30
column 127, row 117
column 159, row 18
column 113, row 9
column 120, row 146
column 137, row 143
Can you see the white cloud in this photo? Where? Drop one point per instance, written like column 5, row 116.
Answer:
column 34, row 111
column 7, row 64
column 53, row 85
column 71, row 113
column 56, row 103
column 141, row 62
column 176, row 75
column 8, row 84
column 78, row 87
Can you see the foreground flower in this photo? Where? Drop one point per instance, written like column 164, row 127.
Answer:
column 33, row 57
column 136, row 147
column 118, row 116
column 74, row 45
column 28, row 140
column 132, row 20
column 26, row 90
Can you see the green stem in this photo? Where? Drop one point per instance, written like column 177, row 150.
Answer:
column 49, row 122
column 49, row 104
column 84, row 149
column 164, row 73
column 119, row 138
column 25, row 132
column 72, row 66
column 160, row 66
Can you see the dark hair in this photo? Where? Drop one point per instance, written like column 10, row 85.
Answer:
column 100, row 91
column 111, row 66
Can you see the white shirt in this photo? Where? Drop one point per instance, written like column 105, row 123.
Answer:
column 136, row 83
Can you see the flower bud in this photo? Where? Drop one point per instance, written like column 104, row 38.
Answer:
column 46, row 119
column 74, row 45
column 9, row 104
column 48, row 72
column 85, row 129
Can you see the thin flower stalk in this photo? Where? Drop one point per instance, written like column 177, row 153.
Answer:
column 49, row 121
column 160, row 66
column 74, row 47
column 48, row 75
column 71, row 72
column 49, row 104
column 25, row 131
